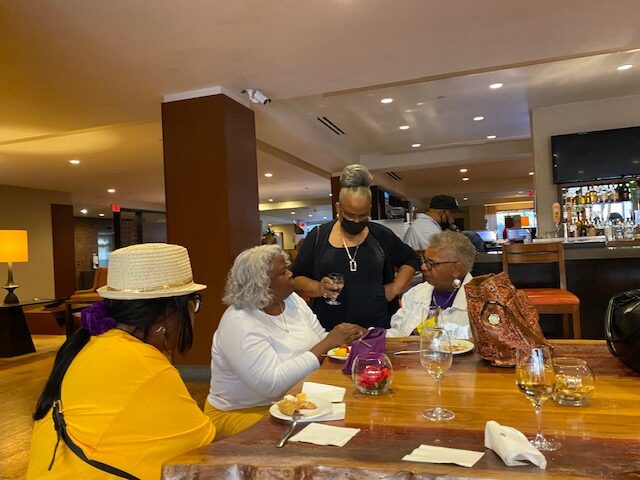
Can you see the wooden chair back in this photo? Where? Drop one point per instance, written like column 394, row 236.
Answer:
column 99, row 280
column 523, row 253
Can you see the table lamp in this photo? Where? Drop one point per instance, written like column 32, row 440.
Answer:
column 13, row 248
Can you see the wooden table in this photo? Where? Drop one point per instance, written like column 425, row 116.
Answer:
column 601, row 440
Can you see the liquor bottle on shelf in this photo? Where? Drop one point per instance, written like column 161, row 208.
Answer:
column 625, row 192
column 608, row 231
column 593, row 195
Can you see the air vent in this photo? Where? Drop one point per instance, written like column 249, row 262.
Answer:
column 330, row 125
column 394, row 175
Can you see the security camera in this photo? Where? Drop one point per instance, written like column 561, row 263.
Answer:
column 257, row 96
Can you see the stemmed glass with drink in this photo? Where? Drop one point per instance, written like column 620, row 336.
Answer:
column 535, row 378
column 338, row 285
column 436, row 358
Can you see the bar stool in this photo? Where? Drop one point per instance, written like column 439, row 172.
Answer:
column 546, row 300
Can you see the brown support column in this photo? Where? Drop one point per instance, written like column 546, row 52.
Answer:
column 335, row 192
column 211, row 190
column 64, row 257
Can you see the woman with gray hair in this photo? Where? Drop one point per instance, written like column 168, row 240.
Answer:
column 267, row 341
column 446, row 265
column 366, row 253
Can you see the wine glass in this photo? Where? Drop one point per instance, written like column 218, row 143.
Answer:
column 338, row 282
column 535, row 378
column 428, row 318
column 436, row 358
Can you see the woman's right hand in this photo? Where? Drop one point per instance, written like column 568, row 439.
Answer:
column 328, row 289
column 345, row 333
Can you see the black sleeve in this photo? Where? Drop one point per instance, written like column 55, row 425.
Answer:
column 400, row 252
column 303, row 264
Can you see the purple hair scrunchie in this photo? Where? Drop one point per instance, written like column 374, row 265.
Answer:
column 94, row 319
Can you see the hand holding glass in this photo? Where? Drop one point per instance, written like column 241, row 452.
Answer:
column 338, row 285
column 535, row 378
column 436, row 358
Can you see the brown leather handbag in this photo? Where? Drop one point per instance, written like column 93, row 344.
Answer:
column 502, row 319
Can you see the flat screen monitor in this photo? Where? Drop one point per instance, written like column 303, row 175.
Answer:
column 592, row 156
column 487, row 236
column 517, row 234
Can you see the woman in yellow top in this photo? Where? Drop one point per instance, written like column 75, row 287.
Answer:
column 125, row 407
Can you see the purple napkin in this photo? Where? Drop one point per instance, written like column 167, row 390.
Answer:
column 374, row 337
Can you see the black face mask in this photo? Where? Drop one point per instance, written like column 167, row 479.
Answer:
column 352, row 228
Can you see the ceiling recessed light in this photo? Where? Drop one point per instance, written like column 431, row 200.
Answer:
column 111, row 190
column 491, row 137
column 478, row 118
column 386, row 100
column 293, row 213
column 84, row 211
column 420, row 104
column 465, row 198
column 310, row 215
column 268, row 174
column 269, row 224
column 495, row 86
column 271, row 199
column 74, row 162
column 465, row 179
column 416, row 145
column 324, row 218
column 531, row 173
column 404, row 127
column 624, row 67
column 331, row 194
column 464, row 170
column 101, row 214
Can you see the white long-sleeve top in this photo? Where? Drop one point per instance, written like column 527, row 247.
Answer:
column 416, row 302
column 254, row 360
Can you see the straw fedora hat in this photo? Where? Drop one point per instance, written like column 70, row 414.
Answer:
column 149, row 270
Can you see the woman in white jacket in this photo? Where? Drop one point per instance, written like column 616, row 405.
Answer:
column 445, row 269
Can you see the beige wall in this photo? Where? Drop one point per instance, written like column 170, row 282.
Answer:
column 476, row 217
column 602, row 114
column 288, row 235
column 28, row 209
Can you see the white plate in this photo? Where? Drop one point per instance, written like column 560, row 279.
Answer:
column 324, row 406
column 459, row 346
column 332, row 354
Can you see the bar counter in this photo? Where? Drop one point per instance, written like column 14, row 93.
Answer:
column 598, row 441
column 594, row 274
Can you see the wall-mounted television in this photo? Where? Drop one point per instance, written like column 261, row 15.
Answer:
column 593, row 156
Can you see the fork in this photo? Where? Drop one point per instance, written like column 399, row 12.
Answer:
column 287, row 433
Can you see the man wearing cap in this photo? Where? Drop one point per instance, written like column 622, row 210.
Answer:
column 438, row 217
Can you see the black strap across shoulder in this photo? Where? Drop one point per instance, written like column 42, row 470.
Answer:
column 61, row 429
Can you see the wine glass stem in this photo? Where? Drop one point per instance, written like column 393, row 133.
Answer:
column 538, row 409
column 437, row 379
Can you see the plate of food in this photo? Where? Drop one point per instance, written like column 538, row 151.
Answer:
column 339, row 353
column 310, row 407
column 458, row 346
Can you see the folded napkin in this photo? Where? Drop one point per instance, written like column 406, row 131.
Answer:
column 321, row 434
column 511, row 445
column 431, row 454
column 328, row 392
column 372, row 342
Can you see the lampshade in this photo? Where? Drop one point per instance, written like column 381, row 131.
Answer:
column 14, row 246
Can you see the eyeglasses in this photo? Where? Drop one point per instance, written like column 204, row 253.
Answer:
column 197, row 302
column 430, row 264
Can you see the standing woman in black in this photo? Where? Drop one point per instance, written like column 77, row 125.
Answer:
column 366, row 253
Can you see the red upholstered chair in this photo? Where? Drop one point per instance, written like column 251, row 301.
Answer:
column 546, row 300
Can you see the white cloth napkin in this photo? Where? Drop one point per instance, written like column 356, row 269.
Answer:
column 511, row 446
column 329, row 392
column 321, row 434
column 431, row 454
